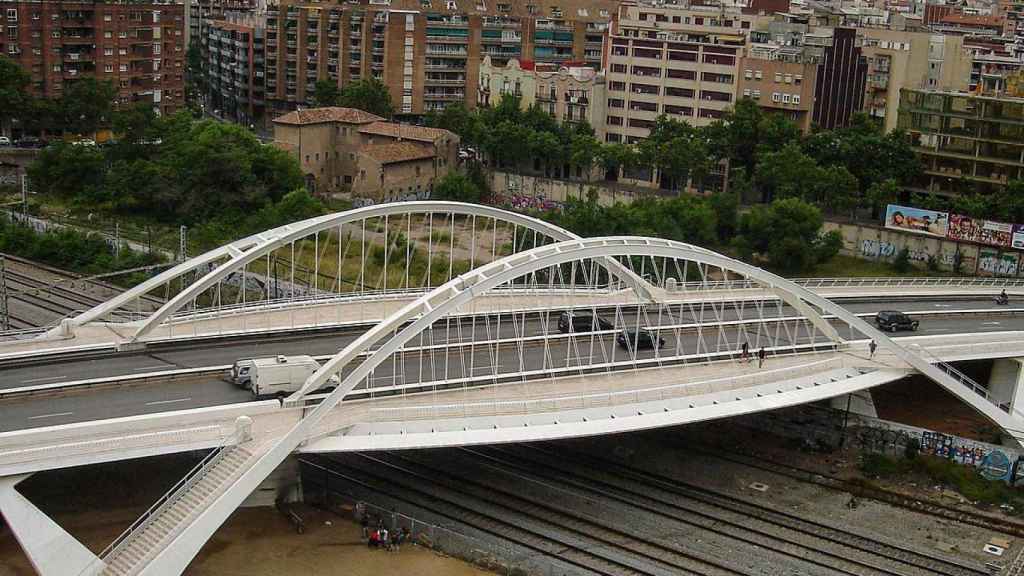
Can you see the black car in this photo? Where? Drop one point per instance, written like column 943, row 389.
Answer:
column 642, row 340
column 31, row 142
column 576, row 322
column 892, row 321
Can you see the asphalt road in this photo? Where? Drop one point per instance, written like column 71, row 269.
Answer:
column 412, row 368
column 225, row 353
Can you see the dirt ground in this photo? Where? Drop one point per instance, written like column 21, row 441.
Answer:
column 260, row 542
column 922, row 403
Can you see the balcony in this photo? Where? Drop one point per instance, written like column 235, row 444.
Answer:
column 445, row 96
column 432, row 51
column 444, row 81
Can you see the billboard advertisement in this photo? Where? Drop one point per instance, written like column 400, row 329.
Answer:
column 980, row 231
column 917, row 220
column 1018, row 237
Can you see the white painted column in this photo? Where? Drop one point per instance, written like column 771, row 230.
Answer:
column 51, row 550
column 1005, row 382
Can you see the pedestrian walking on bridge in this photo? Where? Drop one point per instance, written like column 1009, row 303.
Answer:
column 760, row 357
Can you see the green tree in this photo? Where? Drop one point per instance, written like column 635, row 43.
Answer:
column 135, row 124
column 584, row 152
column 726, row 207
column 72, row 172
column 14, row 99
column 325, row 93
column 458, row 119
column 787, row 173
column 370, row 95
column 616, row 156
column 785, row 233
column 457, row 187
column 880, row 194
column 87, row 105
column 746, row 131
column 836, row 190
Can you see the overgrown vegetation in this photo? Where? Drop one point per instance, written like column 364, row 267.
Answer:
column 73, row 250
column 964, row 479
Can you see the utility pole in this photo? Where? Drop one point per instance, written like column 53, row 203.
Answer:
column 117, row 239
column 24, row 198
column 183, row 244
column 5, row 320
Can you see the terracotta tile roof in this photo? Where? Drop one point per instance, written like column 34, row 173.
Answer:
column 970, row 20
column 329, row 114
column 405, row 131
column 397, row 152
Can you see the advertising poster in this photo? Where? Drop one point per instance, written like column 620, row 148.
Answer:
column 1008, row 264
column 1018, row 237
column 988, row 262
column 917, row 220
column 980, row 231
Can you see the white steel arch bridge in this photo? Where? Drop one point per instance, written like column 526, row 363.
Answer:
column 480, row 357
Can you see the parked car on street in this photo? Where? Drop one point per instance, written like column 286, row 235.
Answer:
column 580, row 322
column 640, row 340
column 5, row 141
column 892, row 321
column 30, row 142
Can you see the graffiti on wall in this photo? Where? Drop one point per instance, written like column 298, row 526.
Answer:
column 525, row 202
column 877, row 249
column 363, row 201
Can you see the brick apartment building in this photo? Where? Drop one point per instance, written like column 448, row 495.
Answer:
column 139, row 47
column 427, row 52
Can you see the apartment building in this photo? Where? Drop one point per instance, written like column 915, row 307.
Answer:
column 569, row 93
column 234, row 65
column 781, row 81
column 682, row 61
column 901, row 59
column 138, row 46
column 352, row 151
column 200, row 13
column 967, row 142
column 427, row 52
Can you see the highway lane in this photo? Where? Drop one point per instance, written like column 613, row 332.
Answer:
column 227, row 351
column 121, row 401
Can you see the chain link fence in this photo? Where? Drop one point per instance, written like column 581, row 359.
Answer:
column 334, row 492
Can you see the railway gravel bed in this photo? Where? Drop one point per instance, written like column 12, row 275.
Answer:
column 672, row 498
column 586, row 544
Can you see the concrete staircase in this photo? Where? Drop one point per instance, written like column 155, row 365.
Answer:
column 162, row 523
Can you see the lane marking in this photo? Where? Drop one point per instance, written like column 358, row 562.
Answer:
column 47, row 379
column 54, row 415
column 943, row 305
column 990, row 323
column 161, row 367
column 157, row 402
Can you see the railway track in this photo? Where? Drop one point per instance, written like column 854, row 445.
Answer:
column 682, row 501
column 931, row 508
column 585, row 544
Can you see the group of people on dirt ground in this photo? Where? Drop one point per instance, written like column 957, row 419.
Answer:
column 761, row 354
column 380, row 536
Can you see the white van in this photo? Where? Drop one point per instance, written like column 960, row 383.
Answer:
column 276, row 376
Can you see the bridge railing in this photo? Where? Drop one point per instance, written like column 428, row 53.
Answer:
column 957, row 281
column 596, row 399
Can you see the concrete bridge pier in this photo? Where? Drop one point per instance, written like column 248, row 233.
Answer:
column 860, row 403
column 1005, row 384
column 284, row 483
column 50, row 549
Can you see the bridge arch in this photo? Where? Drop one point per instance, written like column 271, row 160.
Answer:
column 390, row 335
column 369, row 351
column 247, row 250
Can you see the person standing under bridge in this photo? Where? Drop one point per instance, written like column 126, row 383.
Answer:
column 760, row 357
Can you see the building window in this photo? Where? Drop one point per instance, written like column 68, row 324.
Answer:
column 12, row 14
column 107, row 18
column 746, row 92
column 55, row 34
column 108, row 51
column 796, row 98
column 798, row 79
column 123, row 67
column 778, row 76
column 108, row 68
column 56, row 67
column 788, row 78
column 108, row 34
column 122, row 34
column 748, row 74
column 776, row 97
column 122, row 51
column 785, row 98
column 756, row 95
column 757, row 74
